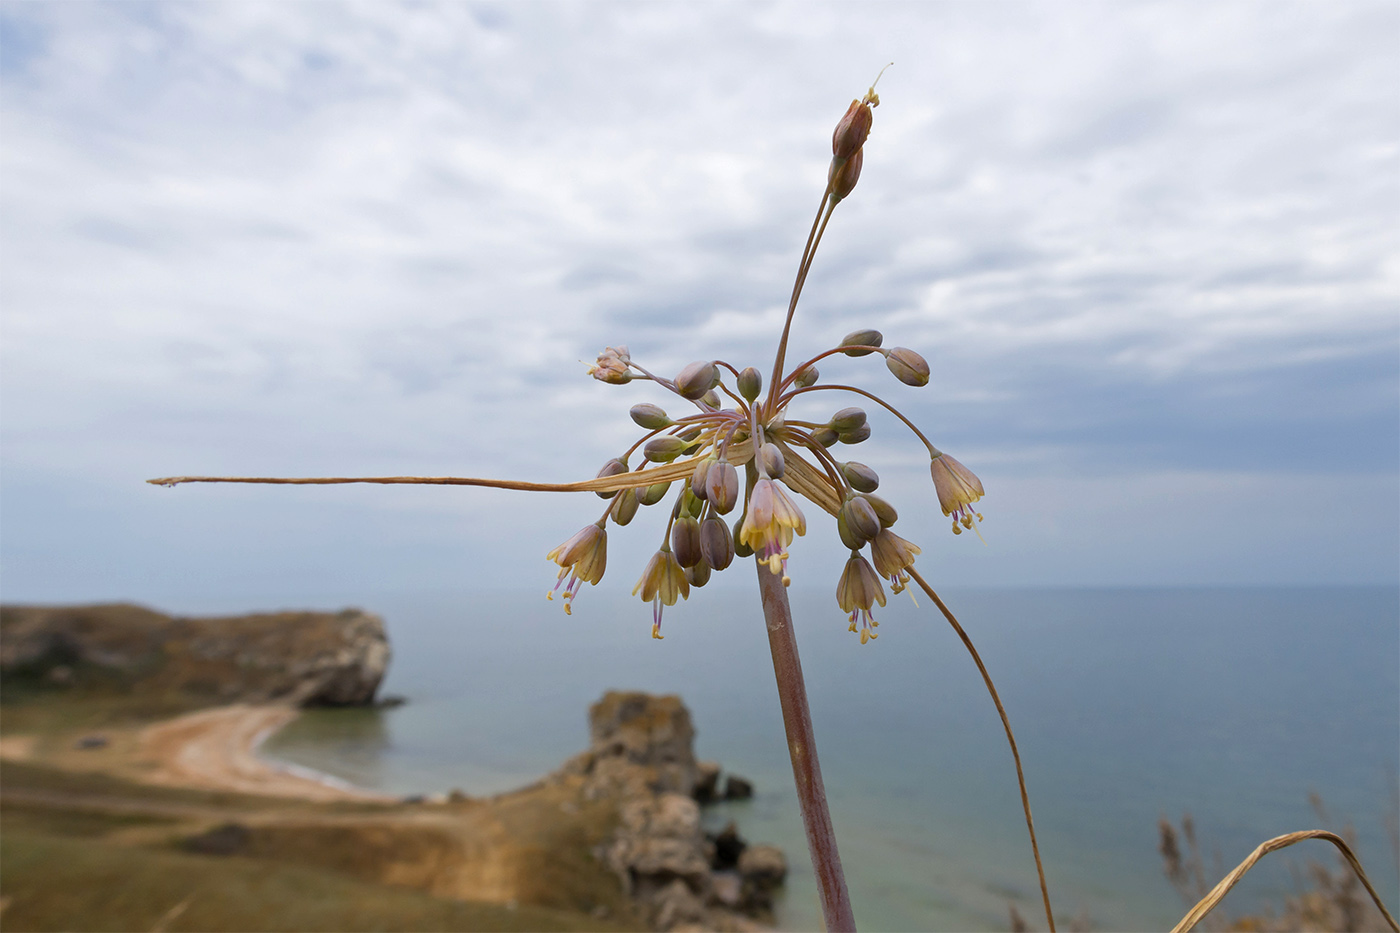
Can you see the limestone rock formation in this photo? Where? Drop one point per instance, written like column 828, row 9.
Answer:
column 306, row 658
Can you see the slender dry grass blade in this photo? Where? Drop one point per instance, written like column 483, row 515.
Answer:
column 1209, row 902
column 1010, row 736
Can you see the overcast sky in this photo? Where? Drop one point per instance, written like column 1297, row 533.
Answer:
column 1150, row 251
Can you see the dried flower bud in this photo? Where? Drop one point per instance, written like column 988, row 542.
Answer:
column 697, row 379
column 611, row 366
column 653, row 494
column 685, row 541
column 861, row 338
column 716, row 543
column 847, row 420
column 722, row 487
column 650, row 416
column 908, row 367
column 852, row 130
column 664, row 449
column 770, row 460
column 750, row 383
column 861, row 518
column 857, row 436
column 843, row 177
column 698, row 575
column 612, row 468
column 883, row 510
column 806, row 376
column 860, row 476
column 824, row 436
column 624, row 506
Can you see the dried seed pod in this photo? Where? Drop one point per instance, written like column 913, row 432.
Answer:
column 716, row 543
column 860, row 434
column 653, row 494
column 750, row 383
column 862, row 338
column 883, row 510
column 861, row 518
column 806, row 376
column 624, row 506
column 613, row 467
column 664, row 449
column 722, row 487
column 697, row 379
column 770, row 458
column 908, row 367
column 685, row 541
column 825, row 436
column 860, row 476
column 698, row 575
column 650, row 416
column 847, row 420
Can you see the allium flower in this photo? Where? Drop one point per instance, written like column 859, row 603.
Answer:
column 857, row 593
column 583, row 558
column 661, row 583
column 893, row 558
column 769, row 525
column 957, row 489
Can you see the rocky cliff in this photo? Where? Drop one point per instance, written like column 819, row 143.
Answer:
column 305, row 658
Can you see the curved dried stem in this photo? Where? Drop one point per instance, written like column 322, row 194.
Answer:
column 1010, row 736
column 1208, row 903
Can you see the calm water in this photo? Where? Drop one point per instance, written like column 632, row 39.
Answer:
column 1128, row 704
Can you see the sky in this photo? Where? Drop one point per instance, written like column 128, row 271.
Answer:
column 1150, row 251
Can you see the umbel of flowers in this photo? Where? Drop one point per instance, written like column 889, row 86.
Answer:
column 735, row 449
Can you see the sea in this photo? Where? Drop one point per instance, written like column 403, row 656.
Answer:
column 1233, row 705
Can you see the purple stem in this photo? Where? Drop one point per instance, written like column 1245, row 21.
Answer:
column 802, row 746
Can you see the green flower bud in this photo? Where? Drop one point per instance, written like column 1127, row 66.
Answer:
column 698, row 575
column 722, row 488
column 860, row 434
column 806, row 376
column 689, row 434
column 612, row 468
column 697, row 379
column 848, row 537
column 650, row 416
column 740, row 548
column 653, row 494
column 663, row 449
column 825, row 436
column 711, row 398
column 861, row 518
column 847, row 420
column 624, row 506
column 690, row 504
column 883, row 510
column 716, row 543
column 860, row 476
column 750, row 384
column 770, row 458
column 685, row 541
column 862, row 338
column 908, row 367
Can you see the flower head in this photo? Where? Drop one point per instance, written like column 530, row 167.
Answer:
column 661, row 583
column 857, row 593
column 769, row 525
column 582, row 558
column 893, row 558
column 957, row 489
column 612, row 366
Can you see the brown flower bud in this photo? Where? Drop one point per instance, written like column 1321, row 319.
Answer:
column 722, row 487
column 806, row 376
column 697, row 379
column 612, row 468
column 847, row 420
column 861, row 518
column 750, row 383
column 860, row 476
column 653, row 494
column 716, row 543
column 908, row 367
column 697, row 479
column 650, row 416
column 824, row 436
column 852, row 130
column 663, row 449
column 860, row 338
column 698, row 575
column 612, row 366
column 843, row 177
column 685, row 541
column 856, row 436
column 770, row 459
column 625, row 506
column 883, row 510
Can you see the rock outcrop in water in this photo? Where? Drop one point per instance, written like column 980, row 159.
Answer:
column 305, row 658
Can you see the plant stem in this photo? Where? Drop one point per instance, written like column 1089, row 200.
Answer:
column 802, row 746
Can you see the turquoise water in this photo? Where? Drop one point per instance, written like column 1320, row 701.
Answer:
column 1128, row 704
